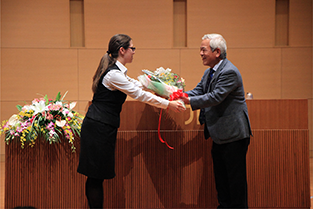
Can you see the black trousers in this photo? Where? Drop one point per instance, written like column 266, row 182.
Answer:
column 229, row 162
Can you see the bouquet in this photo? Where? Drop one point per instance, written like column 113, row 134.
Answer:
column 162, row 81
column 44, row 118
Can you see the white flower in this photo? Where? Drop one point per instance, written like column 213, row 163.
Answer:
column 13, row 121
column 39, row 107
column 168, row 70
column 60, row 123
column 59, row 103
column 72, row 105
column 26, row 108
column 52, row 133
column 160, row 70
column 67, row 112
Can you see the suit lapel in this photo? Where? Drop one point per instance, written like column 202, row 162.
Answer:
column 217, row 72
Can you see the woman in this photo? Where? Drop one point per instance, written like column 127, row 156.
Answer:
column 110, row 86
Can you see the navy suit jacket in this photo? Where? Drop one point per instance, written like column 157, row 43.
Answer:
column 226, row 113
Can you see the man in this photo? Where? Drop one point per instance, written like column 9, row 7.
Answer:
column 221, row 98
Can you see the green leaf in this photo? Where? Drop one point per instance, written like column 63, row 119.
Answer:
column 58, row 97
column 19, row 107
column 46, row 98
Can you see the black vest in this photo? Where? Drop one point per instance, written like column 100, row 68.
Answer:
column 106, row 104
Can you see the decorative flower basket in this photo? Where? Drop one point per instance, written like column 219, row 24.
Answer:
column 45, row 119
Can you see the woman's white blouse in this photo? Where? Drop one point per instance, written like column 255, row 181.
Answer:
column 118, row 80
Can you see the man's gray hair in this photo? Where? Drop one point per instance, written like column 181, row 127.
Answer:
column 217, row 41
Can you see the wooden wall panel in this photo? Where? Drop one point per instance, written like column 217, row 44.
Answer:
column 192, row 68
column 152, row 59
column 300, row 25
column 275, row 161
column 310, row 119
column 28, row 72
column 46, row 178
column 88, row 61
column 77, row 34
column 149, row 175
column 1, row 137
column 261, row 71
column 297, row 73
column 180, row 23
column 150, row 24
column 35, row 23
column 281, row 22
column 278, row 114
column 264, row 114
column 230, row 19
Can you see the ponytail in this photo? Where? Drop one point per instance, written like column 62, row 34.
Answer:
column 105, row 62
column 109, row 59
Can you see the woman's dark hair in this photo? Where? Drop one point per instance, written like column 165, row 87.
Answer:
column 109, row 59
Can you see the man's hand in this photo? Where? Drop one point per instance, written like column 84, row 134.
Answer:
column 186, row 100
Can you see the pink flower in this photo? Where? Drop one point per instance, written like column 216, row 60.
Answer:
column 55, row 107
column 50, row 126
column 35, row 101
column 49, row 116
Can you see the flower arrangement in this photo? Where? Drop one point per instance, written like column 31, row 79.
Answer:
column 162, row 81
column 44, row 118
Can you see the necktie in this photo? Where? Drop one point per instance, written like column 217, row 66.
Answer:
column 202, row 116
column 209, row 80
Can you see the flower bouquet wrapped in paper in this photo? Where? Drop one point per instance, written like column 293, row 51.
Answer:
column 44, row 118
column 163, row 82
column 166, row 84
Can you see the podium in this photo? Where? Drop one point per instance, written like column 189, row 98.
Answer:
column 150, row 175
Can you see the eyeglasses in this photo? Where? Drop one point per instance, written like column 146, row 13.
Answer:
column 133, row 48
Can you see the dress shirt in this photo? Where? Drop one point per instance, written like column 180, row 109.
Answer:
column 118, row 80
column 216, row 66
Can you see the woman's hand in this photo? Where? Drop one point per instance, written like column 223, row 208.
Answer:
column 176, row 106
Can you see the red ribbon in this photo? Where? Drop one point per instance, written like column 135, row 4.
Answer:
column 159, row 133
column 176, row 95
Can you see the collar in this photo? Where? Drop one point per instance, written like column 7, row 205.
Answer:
column 121, row 67
column 217, row 65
